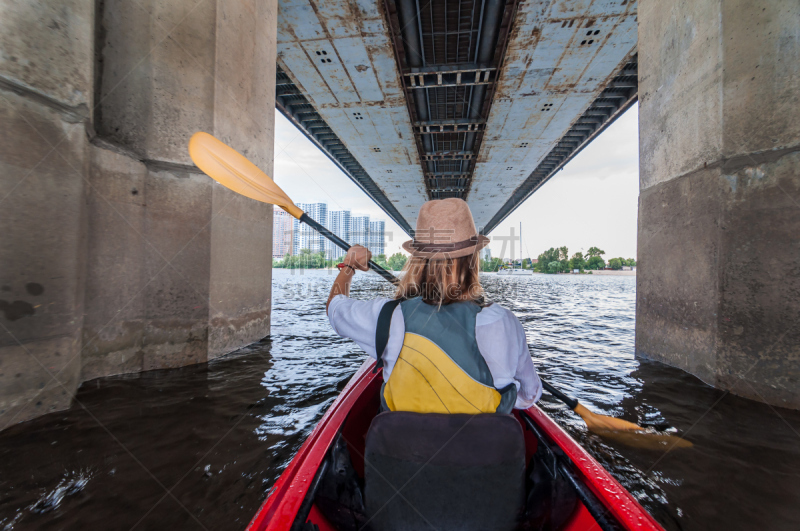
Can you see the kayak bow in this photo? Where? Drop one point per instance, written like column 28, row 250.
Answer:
column 602, row 503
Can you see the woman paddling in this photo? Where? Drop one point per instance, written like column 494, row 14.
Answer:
column 446, row 351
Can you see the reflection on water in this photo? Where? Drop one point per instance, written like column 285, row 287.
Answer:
column 199, row 447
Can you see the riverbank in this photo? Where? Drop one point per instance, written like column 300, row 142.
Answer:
column 602, row 272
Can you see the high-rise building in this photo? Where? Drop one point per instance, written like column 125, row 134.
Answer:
column 282, row 233
column 304, row 236
column 377, row 240
column 339, row 224
column 359, row 231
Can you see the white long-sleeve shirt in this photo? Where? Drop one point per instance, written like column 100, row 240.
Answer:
column 499, row 334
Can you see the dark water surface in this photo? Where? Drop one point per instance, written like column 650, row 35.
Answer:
column 199, row 447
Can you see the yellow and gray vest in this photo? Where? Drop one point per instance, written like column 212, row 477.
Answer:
column 440, row 368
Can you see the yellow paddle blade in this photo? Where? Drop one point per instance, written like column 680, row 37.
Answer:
column 629, row 433
column 645, row 439
column 232, row 170
column 604, row 422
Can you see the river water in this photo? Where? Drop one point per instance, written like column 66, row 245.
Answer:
column 199, row 447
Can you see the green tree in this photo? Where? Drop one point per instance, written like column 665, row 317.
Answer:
column 595, row 262
column 380, row 259
column 491, row 265
column 594, row 251
column 554, row 267
column 546, row 258
column 304, row 260
column 577, row 262
column 550, row 255
column 397, row 261
column 563, row 253
column 630, row 262
column 615, row 264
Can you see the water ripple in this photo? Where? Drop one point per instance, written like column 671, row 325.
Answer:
column 220, row 434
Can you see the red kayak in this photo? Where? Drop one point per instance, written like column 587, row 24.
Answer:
column 584, row 493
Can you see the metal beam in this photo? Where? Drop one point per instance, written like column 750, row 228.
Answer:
column 556, row 159
column 318, row 132
column 449, row 126
column 457, row 78
column 448, row 155
column 448, row 174
column 449, row 55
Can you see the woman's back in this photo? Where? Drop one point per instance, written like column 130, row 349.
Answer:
column 461, row 343
column 441, row 351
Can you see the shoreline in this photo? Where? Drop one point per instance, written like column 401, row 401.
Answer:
column 609, row 273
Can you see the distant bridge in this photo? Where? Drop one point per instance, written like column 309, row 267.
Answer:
column 479, row 99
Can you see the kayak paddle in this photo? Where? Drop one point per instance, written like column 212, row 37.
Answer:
column 618, row 429
column 234, row 171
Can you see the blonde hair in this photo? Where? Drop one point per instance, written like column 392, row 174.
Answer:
column 441, row 282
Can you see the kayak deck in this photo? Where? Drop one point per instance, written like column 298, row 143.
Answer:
column 602, row 503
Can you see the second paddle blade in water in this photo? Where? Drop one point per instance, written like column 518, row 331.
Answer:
column 629, row 433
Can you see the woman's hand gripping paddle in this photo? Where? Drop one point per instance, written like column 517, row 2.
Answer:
column 232, row 170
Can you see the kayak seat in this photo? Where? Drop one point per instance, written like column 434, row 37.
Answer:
column 447, row 472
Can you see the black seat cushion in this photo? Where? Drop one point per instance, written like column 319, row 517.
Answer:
column 438, row 471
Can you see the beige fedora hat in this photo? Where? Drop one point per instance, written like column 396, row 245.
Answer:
column 445, row 229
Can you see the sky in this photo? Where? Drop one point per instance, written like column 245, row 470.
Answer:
column 592, row 201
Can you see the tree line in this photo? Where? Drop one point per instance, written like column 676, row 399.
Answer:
column 305, row 259
column 557, row 260
column 553, row 260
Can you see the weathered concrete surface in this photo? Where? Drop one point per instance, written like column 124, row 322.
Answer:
column 114, row 341
column 62, row 70
column 205, row 277
column 240, row 287
column 148, row 267
column 718, row 289
column 156, row 80
column 118, row 255
column 43, row 157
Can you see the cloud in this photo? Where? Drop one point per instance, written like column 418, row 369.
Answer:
column 593, row 201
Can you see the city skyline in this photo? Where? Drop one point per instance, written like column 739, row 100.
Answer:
column 290, row 236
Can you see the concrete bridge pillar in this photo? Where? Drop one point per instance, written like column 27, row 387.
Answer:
column 118, row 255
column 718, row 288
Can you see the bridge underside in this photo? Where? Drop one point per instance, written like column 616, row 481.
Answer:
column 483, row 100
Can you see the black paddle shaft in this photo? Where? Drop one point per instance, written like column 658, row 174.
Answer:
column 570, row 402
column 305, row 218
